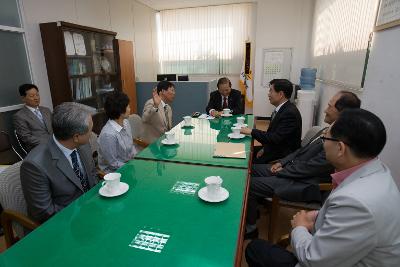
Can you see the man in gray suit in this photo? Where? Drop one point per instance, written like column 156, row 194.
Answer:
column 32, row 122
column 157, row 112
column 297, row 176
column 359, row 223
column 57, row 172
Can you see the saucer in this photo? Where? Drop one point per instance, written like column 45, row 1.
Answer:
column 123, row 187
column 166, row 142
column 226, row 115
column 240, row 125
column 223, row 194
column 240, row 136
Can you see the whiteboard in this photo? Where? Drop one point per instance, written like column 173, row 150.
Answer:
column 381, row 92
column 277, row 64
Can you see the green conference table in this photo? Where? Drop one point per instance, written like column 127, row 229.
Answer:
column 158, row 222
column 196, row 144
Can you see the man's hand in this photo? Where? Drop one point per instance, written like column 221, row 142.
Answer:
column 304, row 218
column 276, row 167
column 215, row 113
column 156, row 98
column 260, row 153
column 245, row 130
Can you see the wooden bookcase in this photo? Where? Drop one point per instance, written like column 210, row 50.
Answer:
column 83, row 65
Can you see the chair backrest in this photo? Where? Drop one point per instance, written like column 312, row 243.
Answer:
column 11, row 195
column 310, row 133
column 8, row 154
column 93, row 142
column 20, row 143
column 136, row 125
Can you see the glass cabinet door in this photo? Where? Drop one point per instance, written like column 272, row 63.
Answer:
column 91, row 66
column 104, row 66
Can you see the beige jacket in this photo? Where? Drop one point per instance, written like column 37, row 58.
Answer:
column 154, row 121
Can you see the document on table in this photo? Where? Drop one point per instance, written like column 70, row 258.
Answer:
column 230, row 150
column 205, row 116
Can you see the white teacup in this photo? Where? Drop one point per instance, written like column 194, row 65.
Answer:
column 188, row 120
column 213, row 185
column 170, row 137
column 111, row 181
column 236, row 131
column 226, row 111
column 240, row 120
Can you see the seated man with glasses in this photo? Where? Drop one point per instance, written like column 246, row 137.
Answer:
column 359, row 223
column 297, row 176
column 157, row 112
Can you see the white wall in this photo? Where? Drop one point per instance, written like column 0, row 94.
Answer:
column 339, row 43
column 130, row 19
column 281, row 24
column 382, row 92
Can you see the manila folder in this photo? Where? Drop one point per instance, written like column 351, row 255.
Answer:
column 230, row 150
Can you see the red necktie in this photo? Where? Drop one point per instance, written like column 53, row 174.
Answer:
column 225, row 104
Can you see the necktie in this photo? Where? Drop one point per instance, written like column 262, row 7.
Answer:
column 225, row 104
column 39, row 115
column 167, row 117
column 273, row 115
column 78, row 172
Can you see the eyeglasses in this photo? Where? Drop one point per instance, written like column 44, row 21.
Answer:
column 324, row 138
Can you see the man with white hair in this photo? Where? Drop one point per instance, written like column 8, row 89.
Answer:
column 57, row 172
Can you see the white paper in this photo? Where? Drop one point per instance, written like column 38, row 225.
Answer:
column 69, row 44
column 207, row 117
column 79, row 43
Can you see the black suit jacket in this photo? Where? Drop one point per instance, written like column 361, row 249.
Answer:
column 234, row 102
column 302, row 172
column 283, row 135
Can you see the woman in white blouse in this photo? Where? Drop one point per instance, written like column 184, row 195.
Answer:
column 115, row 141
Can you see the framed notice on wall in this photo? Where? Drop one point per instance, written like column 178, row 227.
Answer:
column 388, row 14
column 277, row 64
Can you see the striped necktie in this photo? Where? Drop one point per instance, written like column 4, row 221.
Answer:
column 78, row 172
column 225, row 104
column 273, row 115
column 39, row 115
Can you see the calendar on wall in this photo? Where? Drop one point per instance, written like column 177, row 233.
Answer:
column 277, row 64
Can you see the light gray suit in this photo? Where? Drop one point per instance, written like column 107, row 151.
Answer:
column 359, row 224
column 155, row 123
column 49, row 182
column 30, row 129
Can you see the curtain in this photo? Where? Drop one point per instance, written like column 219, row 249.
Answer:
column 203, row 40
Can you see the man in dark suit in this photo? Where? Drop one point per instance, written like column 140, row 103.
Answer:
column 32, row 122
column 297, row 176
column 224, row 97
column 57, row 172
column 284, row 132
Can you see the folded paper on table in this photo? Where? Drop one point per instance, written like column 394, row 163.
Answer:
column 230, row 150
column 205, row 116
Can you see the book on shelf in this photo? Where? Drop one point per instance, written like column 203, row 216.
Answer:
column 77, row 67
column 79, row 43
column 82, row 89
